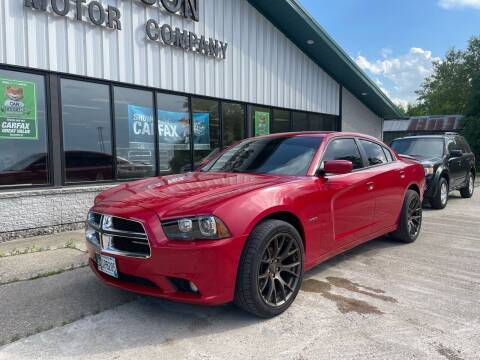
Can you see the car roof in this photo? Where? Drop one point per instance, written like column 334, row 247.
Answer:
column 328, row 134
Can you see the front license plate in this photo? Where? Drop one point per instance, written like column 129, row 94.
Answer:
column 107, row 264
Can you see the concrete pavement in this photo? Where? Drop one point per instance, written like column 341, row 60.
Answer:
column 382, row 300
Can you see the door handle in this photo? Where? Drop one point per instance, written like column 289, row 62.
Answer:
column 402, row 175
column 370, row 186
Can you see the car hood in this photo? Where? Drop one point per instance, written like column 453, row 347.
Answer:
column 426, row 160
column 187, row 194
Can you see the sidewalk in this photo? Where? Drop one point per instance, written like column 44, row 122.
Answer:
column 32, row 258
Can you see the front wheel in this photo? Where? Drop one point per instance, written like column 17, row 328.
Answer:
column 467, row 191
column 410, row 218
column 439, row 201
column 271, row 269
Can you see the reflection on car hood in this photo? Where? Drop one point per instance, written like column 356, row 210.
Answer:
column 173, row 195
column 427, row 160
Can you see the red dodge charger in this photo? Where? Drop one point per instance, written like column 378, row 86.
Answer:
column 246, row 225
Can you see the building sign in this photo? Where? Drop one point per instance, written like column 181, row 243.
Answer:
column 110, row 17
column 18, row 110
column 262, row 123
column 140, row 124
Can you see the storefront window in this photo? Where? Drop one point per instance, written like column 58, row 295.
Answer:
column 233, row 123
column 135, row 136
column 173, row 133
column 260, row 118
column 206, row 126
column 330, row 122
column 281, row 121
column 316, row 122
column 23, row 134
column 300, row 121
column 86, row 131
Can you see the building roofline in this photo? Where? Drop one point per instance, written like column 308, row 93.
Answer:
column 299, row 26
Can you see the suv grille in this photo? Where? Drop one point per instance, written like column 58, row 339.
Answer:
column 118, row 236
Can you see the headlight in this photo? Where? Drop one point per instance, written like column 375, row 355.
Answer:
column 428, row 170
column 196, row 228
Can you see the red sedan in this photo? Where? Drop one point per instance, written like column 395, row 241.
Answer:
column 246, row 225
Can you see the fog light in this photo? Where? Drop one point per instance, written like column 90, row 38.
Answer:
column 193, row 287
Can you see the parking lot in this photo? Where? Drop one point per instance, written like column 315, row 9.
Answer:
column 381, row 300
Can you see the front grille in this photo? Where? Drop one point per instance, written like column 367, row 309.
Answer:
column 118, row 236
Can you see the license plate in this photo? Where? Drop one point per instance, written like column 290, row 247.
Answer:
column 107, row 264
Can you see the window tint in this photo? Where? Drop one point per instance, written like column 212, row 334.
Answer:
column 86, row 131
column 281, row 121
column 233, row 122
column 278, row 155
column 344, row 149
column 23, row 130
column 206, row 129
column 300, row 121
column 375, row 154
column 173, row 134
column 135, row 134
column 388, row 154
column 419, row 147
column 462, row 144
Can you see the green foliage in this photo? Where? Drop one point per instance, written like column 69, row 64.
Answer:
column 448, row 90
column 471, row 129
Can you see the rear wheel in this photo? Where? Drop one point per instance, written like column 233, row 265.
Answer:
column 439, row 201
column 271, row 269
column 410, row 218
column 467, row 191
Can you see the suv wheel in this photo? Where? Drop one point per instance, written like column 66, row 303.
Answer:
column 439, row 201
column 467, row 191
column 410, row 218
column 271, row 269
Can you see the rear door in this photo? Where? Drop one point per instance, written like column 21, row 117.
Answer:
column 388, row 179
column 352, row 205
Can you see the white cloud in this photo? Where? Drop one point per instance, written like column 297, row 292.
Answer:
column 399, row 76
column 451, row 4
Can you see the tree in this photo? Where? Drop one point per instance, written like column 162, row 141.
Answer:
column 448, row 89
column 471, row 129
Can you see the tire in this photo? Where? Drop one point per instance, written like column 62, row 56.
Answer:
column 258, row 272
column 439, row 201
column 411, row 212
column 467, row 191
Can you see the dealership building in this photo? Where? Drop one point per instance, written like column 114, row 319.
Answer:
column 93, row 93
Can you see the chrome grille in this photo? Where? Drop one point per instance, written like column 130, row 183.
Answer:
column 117, row 236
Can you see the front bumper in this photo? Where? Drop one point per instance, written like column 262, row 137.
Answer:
column 210, row 265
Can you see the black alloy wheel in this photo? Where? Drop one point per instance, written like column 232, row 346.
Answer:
column 410, row 222
column 414, row 217
column 270, row 271
column 280, row 270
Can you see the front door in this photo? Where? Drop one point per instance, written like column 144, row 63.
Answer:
column 455, row 165
column 352, row 203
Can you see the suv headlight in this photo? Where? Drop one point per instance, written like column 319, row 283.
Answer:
column 196, row 228
column 428, row 170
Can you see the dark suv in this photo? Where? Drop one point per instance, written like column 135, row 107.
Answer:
column 448, row 161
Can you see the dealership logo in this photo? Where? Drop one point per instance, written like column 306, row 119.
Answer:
column 164, row 34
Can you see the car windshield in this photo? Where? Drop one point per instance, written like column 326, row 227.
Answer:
column 272, row 155
column 421, row 147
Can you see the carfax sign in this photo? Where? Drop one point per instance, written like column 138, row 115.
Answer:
column 18, row 110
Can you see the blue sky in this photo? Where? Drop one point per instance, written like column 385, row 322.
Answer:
column 395, row 41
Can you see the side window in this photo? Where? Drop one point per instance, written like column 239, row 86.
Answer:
column 344, row 149
column 375, row 154
column 388, row 154
column 462, row 144
column 452, row 145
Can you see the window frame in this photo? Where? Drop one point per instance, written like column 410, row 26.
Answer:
column 51, row 170
column 54, row 122
column 364, row 153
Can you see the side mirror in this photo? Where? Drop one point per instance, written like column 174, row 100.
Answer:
column 456, row 153
column 337, row 167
